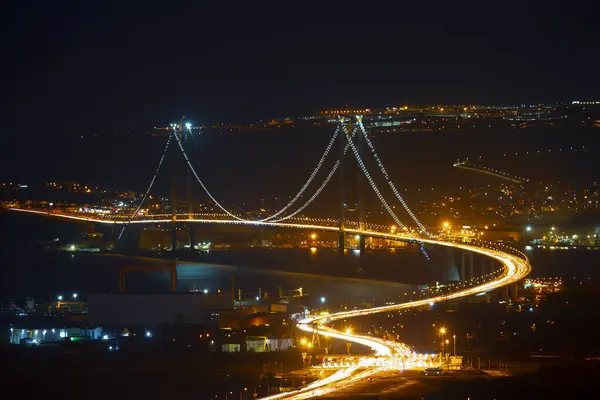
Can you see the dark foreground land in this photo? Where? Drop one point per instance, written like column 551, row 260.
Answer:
column 146, row 372
column 159, row 373
column 564, row 381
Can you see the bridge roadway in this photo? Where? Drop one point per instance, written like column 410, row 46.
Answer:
column 515, row 269
column 389, row 354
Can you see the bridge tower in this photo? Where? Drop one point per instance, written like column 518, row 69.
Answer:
column 316, row 343
column 180, row 130
column 361, row 188
column 342, row 172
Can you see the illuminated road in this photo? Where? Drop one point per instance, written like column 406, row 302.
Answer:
column 515, row 269
column 392, row 355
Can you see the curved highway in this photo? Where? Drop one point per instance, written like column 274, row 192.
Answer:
column 515, row 269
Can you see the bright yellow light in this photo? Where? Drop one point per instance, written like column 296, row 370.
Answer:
column 348, row 331
column 303, row 341
column 446, row 224
column 447, row 341
column 313, row 236
column 442, row 330
column 313, row 249
column 309, row 345
column 393, row 228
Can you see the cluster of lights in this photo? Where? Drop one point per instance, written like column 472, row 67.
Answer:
column 499, row 174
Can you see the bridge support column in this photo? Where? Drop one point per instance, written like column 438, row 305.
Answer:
column 173, row 272
column 504, row 293
column 471, row 268
column 513, row 291
column 191, row 238
column 465, row 274
column 341, row 242
column 362, row 244
column 173, row 238
column 122, row 281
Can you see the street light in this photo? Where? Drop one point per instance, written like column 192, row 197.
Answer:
column 323, row 299
column 60, row 297
column 454, row 337
column 442, row 333
column 528, row 228
column 75, row 296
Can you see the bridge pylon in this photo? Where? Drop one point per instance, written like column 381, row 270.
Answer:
column 361, row 189
column 316, row 342
column 342, row 206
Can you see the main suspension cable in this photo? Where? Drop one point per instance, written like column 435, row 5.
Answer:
column 368, row 176
column 296, row 197
column 387, row 177
column 202, row 183
column 310, row 179
column 325, row 182
column 162, row 157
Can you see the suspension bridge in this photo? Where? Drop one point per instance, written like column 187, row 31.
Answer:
column 349, row 136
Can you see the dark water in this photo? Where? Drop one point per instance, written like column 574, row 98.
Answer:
column 29, row 270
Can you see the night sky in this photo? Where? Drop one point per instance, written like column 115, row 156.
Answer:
column 72, row 68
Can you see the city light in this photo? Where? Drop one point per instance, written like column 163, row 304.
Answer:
column 59, row 297
column 323, row 299
column 528, row 228
column 148, row 334
column 75, row 296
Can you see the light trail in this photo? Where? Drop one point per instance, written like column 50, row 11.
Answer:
column 468, row 165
